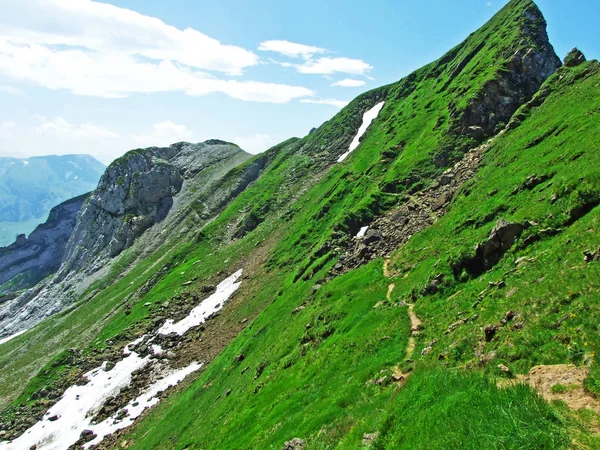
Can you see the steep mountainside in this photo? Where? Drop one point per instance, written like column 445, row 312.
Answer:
column 30, row 259
column 30, row 187
column 137, row 191
column 418, row 290
column 161, row 187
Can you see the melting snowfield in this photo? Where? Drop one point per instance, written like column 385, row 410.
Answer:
column 12, row 336
column 368, row 117
column 137, row 406
column 362, row 232
column 200, row 313
column 74, row 413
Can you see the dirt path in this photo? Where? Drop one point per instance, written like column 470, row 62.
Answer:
column 415, row 322
column 390, row 290
column 386, row 270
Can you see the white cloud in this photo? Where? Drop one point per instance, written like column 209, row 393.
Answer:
column 326, row 101
column 290, row 49
column 59, row 136
column 349, row 83
column 312, row 65
column 101, row 50
column 109, row 29
column 254, row 144
column 60, row 128
column 163, row 134
column 328, row 66
column 6, row 128
column 11, row 90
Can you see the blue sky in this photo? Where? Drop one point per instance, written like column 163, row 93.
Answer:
column 78, row 76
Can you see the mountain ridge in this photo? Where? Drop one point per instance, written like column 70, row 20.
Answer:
column 366, row 315
column 31, row 258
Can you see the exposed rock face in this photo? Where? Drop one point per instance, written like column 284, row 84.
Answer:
column 488, row 253
column 29, row 260
column 136, row 192
column 574, row 58
column 144, row 198
column 525, row 72
column 393, row 229
column 501, row 238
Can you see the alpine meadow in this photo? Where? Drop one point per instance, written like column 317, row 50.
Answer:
column 421, row 271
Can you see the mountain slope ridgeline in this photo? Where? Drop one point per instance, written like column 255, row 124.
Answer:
column 435, row 286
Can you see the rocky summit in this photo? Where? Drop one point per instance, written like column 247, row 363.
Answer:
column 420, row 271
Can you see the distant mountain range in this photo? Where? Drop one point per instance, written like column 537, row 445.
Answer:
column 30, row 187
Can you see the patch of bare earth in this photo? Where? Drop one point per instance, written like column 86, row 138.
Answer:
column 570, row 377
column 415, row 324
column 560, row 382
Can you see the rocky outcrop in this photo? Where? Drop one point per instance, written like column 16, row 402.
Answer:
column 395, row 228
column 135, row 193
column 502, row 237
column 295, row 444
column 144, row 199
column 29, row 260
column 574, row 58
column 526, row 70
column 488, row 253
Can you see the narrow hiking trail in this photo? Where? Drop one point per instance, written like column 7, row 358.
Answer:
column 415, row 322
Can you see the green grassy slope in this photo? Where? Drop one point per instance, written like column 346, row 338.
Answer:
column 316, row 384
column 321, row 352
column 557, row 142
column 552, row 289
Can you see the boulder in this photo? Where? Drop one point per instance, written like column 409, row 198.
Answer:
column 371, row 237
column 574, row 58
column 87, row 435
column 295, row 444
column 490, row 332
column 502, row 237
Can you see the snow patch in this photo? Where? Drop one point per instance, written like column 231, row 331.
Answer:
column 368, row 117
column 127, row 351
column 12, row 336
column 362, row 232
column 76, row 409
column 147, row 400
column 200, row 313
column 157, row 350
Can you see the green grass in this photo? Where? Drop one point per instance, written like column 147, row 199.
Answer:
column 563, row 388
column 557, row 282
column 442, row 409
column 553, row 289
column 318, row 344
column 314, row 374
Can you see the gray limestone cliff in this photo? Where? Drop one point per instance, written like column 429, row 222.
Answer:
column 143, row 199
column 30, row 259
